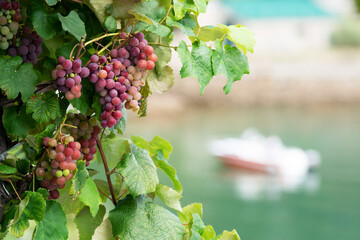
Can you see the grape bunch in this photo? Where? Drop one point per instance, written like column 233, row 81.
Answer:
column 58, row 168
column 27, row 46
column 119, row 76
column 68, row 75
column 9, row 22
column 86, row 132
column 104, row 74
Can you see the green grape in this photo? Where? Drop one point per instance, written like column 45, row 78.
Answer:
column 14, row 26
column 8, row 17
column 12, row 12
column 59, row 173
column 5, row 30
column 9, row 36
column 3, row 20
column 7, row 12
column 4, row 45
column 66, row 172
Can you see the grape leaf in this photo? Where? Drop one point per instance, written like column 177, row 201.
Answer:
column 156, row 144
column 73, row 24
column 71, row 227
column 211, row 33
column 135, row 219
column 110, row 24
column 98, row 7
column 208, row 232
column 186, row 24
column 169, row 196
column 23, row 166
column 114, row 148
column 66, row 201
column 17, row 122
column 43, row 107
column 5, row 169
column 201, row 5
column 160, row 83
column 45, row 24
column 52, row 2
column 226, row 235
column 159, row 30
column 197, row 64
column 181, row 7
column 187, row 215
column 169, row 170
column 53, row 226
column 47, row 132
column 16, row 77
column 230, row 62
column 242, row 37
column 139, row 171
column 148, row 11
column 9, row 214
column 104, row 231
column 87, row 223
column 32, row 207
column 90, row 196
column 79, row 178
column 119, row 8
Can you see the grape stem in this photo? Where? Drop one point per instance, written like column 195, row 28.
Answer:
column 163, row 45
column 99, row 38
column 104, row 193
column 105, row 47
column 107, row 172
column 167, row 14
column 14, row 188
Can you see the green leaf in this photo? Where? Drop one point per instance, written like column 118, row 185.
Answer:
column 79, row 178
column 43, row 107
column 242, row 37
column 45, row 24
column 226, row 235
column 197, row 64
column 186, row 24
column 208, row 233
column 135, row 219
column 156, row 144
column 73, row 24
column 169, row 170
column 66, row 201
column 53, row 226
column 5, row 169
column 52, row 2
column 201, row 5
column 181, row 7
column 122, row 123
column 17, row 122
column 87, row 223
column 48, row 132
column 16, row 77
column 232, row 63
column 90, row 196
column 159, row 30
column 22, row 166
column 32, row 207
column 186, row 216
column 211, row 33
column 110, row 24
column 84, row 102
column 71, row 227
column 148, row 11
column 169, row 196
column 9, row 214
column 98, row 7
column 160, row 83
column 104, row 231
column 114, row 149
column 119, row 8
column 139, row 171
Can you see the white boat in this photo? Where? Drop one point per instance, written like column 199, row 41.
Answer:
column 255, row 152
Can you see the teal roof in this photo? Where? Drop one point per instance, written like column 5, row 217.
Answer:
column 275, row 8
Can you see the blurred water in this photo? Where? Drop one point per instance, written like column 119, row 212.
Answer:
column 323, row 206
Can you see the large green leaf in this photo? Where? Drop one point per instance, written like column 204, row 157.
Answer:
column 160, row 83
column 45, row 24
column 67, row 202
column 104, row 231
column 87, row 223
column 90, row 196
column 23, row 166
column 156, row 144
column 119, row 8
column 53, row 226
column 187, row 24
column 139, row 171
column 98, row 7
column 79, row 178
column 17, row 122
column 230, row 62
column 197, row 64
column 211, row 33
column 135, row 219
column 187, row 215
column 73, row 24
column 169, row 196
column 71, row 227
column 52, row 2
column 169, row 170
column 201, row 5
column 148, row 11
column 114, row 149
column 43, row 107
column 16, row 77
column 5, row 169
column 32, row 207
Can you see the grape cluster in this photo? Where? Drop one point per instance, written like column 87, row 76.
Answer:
column 104, row 74
column 58, row 168
column 27, row 46
column 68, row 75
column 119, row 76
column 9, row 22
column 86, row 132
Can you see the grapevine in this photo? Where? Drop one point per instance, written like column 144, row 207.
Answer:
column 71, row 71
